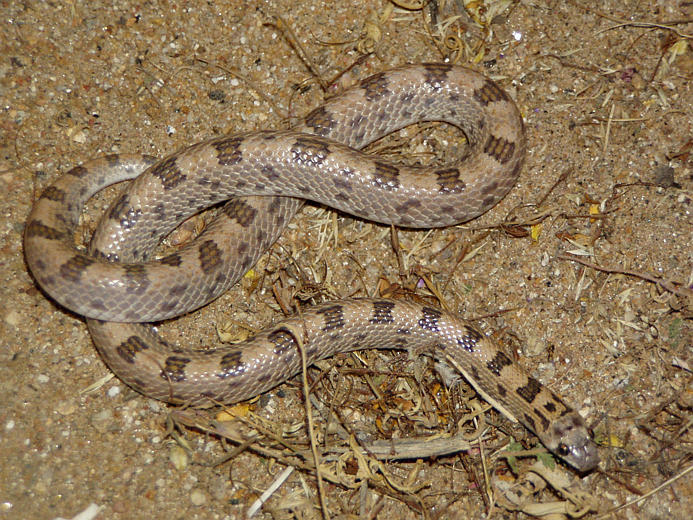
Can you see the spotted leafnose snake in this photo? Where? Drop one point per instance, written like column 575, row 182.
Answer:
column 265, row 176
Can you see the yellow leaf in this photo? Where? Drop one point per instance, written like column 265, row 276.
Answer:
column 612, row 441
column 615, row 442
column 229, row 414
column 536, row 231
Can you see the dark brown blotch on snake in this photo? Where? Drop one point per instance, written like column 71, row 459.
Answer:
column 430, row 318
column 386, row 176
column 172, row 260
column 382, row 312
column 37, row 229
column 542, row 418
column 73, row 269
column 499, row 361
column 500, row 149
column 282, row 339
column 168, row 172
column 174, row 368
column 320, row 121
column 375, row 86
column 129, row 348
column 231, row 365
column 210, row 257
column 53, row 193
column 449, row 180
column 529, row 391
column 436, row 74
column 467, row 343
column 241, row 212
column 334, row 317
column 310, row 150
column 229, row 149
column 490, row 92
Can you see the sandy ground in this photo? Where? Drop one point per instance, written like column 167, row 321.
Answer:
column 608, row 177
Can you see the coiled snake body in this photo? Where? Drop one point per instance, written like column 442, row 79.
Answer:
column 265, row 176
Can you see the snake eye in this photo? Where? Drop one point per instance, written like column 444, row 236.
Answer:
column 563, row 450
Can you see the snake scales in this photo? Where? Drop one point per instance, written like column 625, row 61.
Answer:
column 265, row 176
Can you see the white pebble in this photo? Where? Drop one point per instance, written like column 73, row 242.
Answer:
column 12, row 318
column 198, row 497
column 178, row 457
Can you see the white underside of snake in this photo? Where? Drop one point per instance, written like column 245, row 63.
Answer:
column 265, row 176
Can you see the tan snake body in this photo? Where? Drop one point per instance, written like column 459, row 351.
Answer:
column 266, row 176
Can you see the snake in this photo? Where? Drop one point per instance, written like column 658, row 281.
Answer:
column 260, row 180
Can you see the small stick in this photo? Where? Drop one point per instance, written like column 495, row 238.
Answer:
column 649, row 493
column 669, row 285
column 269, row 491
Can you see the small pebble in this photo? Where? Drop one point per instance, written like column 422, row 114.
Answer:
column 178, row 457
column 66, row 407
column 12, row 318
column 664, row 176
column 102, row 420
column 198, row 497
column 637, row 82
column 79, row 137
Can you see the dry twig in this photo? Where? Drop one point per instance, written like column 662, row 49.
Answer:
column 668, row 285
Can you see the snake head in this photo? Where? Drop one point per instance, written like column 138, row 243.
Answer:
column 570, row 438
